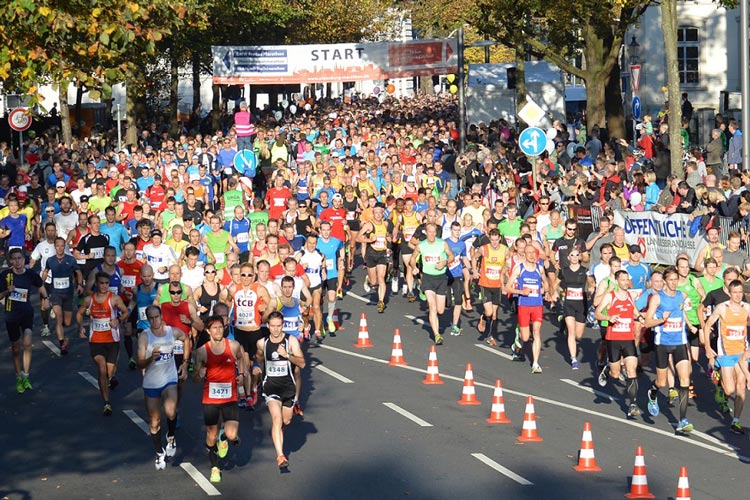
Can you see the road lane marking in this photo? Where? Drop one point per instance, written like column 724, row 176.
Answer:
column 649, row 428
column 52, row 347
column 502, row 470
column 494, row 351
column 334, row 374
column 587, row 389
column 200, row 479
column 90, row 379
column 358, row 297
column 137, row 420
column 415, row 319
column 409, row 415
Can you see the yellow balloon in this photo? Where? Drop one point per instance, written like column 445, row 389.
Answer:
column 453, row 89
column 451, row 78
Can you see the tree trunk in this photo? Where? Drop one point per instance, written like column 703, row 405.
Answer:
column 79, row 98
column 62, row 95
column 131, row 132
column 669, row 28
column 520, row 74
column 595, row 101
column 174, row 81
column 196, row 67
column 215, row 107
column 614, row 105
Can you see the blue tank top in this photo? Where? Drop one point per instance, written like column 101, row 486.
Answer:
column 456, row 268
column 673, row 331
column 142, row 301
column 531, row 280
column 291, row 319
column 115, row 279
column 302, row 193
column 239, row 230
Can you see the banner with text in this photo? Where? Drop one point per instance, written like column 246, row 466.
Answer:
column 662, row 237
column 341, row 62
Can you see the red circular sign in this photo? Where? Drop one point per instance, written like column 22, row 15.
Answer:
column 19, row 120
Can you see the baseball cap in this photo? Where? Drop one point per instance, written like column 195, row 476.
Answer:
column 84, row 199
column 156, row 232
column 335, row 154
column 634, row 249
column 22, row 196
column 411, row 178
column 60, row 184
column 337, row 196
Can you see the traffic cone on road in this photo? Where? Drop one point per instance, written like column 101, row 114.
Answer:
column 528, row 432
column 433, row 376
column 468, row 393
column 397, row 352
column 586, row 459
column 363, row 339
column 497, row 413
column 335, row 319
column 683, row 486
column 639, row 483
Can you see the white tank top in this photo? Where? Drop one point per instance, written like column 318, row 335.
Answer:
column 163, row 371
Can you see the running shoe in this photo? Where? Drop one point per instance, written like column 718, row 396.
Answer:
column 724, row 408
column 517, row 340
column 404, row 290
column 438, row 339
column 45, row 331
column 367, row 286
column 171, row 448
column 215, row 475
column 653, row 404
column 684, row 427
column 736, row 428
column 282, row 462
column 603, row 376
column 107, row 410
column 634, row 411
column 719, row 395
column 456, row 331
column 64, row 347
column 516, row 353
column 113, row 383
column 319, row 336
column 339, row 294
column 691, row 392
column 331, row 327
column 574, row 364
column 131, row 364
column 27, row 383
column 411, row 297
column 381, row 306
column 422, row 296
column 253, row 398
column 160, row 463
column 222, row 444
column 491, row 341
column 20, row 386
column 297, row 409
column 622, row 377
column 535, row 368
column 242, row 403
column 673, row 395
column 716, row 376
column 394, row 286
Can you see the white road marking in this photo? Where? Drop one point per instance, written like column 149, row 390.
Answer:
column 587, row 389
column 358, row 297
column 408, row 415
column 415, row 319
column 137, row 420
column 334, row 374
column 494, row 351
column 200, row 479
column 52, row 347
column 649, row 428
column 90, row 379
column 502, row 470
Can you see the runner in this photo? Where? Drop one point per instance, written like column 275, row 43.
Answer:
column 332, row 250
column 130, row 270
column 41, row 253
column 693, row 290
column 104, row 333
column 407, row 224
column 66, row 279
column 16, row 286
column 291, row 308
column 155, row 352
column 376, row 235
column 575, row 301
column 459, row 270
column 491, row 279
column 277, row 354
column 313, row 261
column 220, row 362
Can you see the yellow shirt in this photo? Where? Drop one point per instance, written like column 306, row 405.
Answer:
column 177, row 246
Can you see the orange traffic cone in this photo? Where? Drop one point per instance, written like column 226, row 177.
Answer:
column 468, row 393
column 497, row 413
column 683, row 487
column 639, row 483
column 528, row 432
column 335, row 319
column 363, row 340
column 433, row 376
column 586, row 459
column 397, row 353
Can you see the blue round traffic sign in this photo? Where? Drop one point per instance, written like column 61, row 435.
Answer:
column 532, row 140
column 636, row 108
column 245, row 162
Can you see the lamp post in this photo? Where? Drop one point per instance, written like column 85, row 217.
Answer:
column 634, row 57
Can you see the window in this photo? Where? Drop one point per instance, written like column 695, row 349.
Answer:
column 688, row 55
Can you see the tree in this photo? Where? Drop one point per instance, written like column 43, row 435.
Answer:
column 669, row 30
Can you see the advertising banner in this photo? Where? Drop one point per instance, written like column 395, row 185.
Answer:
column 662, row 237
column 341, row 62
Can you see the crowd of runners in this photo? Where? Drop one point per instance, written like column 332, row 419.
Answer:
column 168, row 248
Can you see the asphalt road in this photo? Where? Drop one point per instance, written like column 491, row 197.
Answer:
column 370, row 430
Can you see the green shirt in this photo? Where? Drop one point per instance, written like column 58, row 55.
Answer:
column 232, row 198
column 256, row 218
column 219, row 245
column 431, row 254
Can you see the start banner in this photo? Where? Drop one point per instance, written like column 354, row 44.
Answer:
column 662, row 237
column 341, row 62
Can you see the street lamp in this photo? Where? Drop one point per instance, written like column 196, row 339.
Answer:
column 634, row 55
column 634, row 51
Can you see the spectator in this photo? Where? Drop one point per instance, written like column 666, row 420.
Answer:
column 734, row 154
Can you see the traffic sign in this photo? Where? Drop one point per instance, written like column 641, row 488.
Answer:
column 636, row 108
column 531, row 113
column 19, row 120
column 532, row 140
column 245, row 162
column 635, row 76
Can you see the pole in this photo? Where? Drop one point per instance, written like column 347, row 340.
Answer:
column 20, row 149
column 486, row 50
column 461, row 93
column 745, row 61
column 119, row 130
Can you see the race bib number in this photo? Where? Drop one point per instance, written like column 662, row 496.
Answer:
column 672, row 325
column 574, row 294
column 245, row 318
column 688, row 304
column 228, row 171
column 735, row 332
column 277, row 369
column 165, row 356
column 533, row 290
column 220, row 258
column 492, row 273
column 142, row 314
column 350, row 215
column 220, row 390
column 98, row 253
column 100, row 324
column 622, row 325
column 329, row 264
column 279, row 202
column 312, row 270
column 243, row 237
column 61, row 283
column 290, row 324
column 19, row 295
column 431, row 259
column 128, row 281
column 115, row 290
column 179, row 347
column 454, row 264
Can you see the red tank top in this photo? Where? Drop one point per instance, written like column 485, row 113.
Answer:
column 102, row 313
column 623, row 329
column 221, row 381
column 171, row 315
column 131, row 276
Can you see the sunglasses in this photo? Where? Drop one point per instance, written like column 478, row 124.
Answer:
column 209, row 272
column 247, row 275
column 175, row 292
